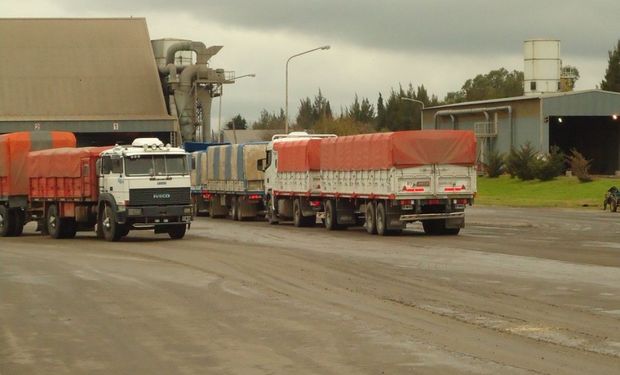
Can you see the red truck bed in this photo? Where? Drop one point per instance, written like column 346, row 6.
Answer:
column 64, row 173
column 14, row 149
column 298, row 155
column 398, row 149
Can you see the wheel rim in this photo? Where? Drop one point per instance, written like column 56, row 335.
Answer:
column 328, row 216
column 106, row 219
column 52, row 221
column 379, row 219
column 2, row 222
column 370, row 221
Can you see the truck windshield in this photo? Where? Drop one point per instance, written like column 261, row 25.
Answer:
column 156, row 165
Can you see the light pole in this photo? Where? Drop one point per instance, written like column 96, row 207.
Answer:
column 219, row 114
column 286, row 93
column 421, row 111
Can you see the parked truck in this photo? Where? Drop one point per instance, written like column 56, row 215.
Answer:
column 231, row 182
column 382, row 181
column 116, row 189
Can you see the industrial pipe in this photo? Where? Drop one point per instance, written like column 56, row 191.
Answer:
column 484, row 110
column 203, row 54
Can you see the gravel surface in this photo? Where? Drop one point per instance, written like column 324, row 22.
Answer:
column 519, row 291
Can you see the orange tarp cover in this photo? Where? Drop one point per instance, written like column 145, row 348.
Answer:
column 398, row 149
column 14, row 149
column 61, row 162
column 299, row 155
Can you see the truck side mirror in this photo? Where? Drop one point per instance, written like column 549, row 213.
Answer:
column 260, row 165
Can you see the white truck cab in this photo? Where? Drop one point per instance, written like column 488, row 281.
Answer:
column 144, row 186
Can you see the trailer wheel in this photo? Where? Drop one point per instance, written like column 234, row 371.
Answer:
column 371, row 223
column 235, row 209
column 54, row 222
column 331, row 218
column 7, row 224
column 380, row 219
column 271, row 219
column 298, row 218
column 109, row 226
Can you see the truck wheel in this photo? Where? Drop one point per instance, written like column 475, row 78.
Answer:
column 431, row 227
column 109, row 226
column 7, row 222
column 235, row 209
column 331, row 219
column 271, row 219
column 54, row 222
column 381, row 219
column 176, row 232
column 298, row 218
column 371, row 223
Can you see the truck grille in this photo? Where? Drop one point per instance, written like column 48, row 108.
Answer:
column 156, row 197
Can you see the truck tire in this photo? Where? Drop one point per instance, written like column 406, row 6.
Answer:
column 371, row 222
column 381, row 219
column 54, row 222
column 235, row 208
column 331, row 218
column 271, row 219
column 298, row 217
column 176, row 232
column 7, row 222
column 109, row 226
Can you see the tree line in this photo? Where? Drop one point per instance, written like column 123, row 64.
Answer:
column 399, row 109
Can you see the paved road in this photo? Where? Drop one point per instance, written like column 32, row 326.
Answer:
column 520, row 291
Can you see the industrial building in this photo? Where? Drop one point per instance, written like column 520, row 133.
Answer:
column 588, row 121
column 105, row 80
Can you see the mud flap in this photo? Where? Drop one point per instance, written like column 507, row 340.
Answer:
column 455, row 222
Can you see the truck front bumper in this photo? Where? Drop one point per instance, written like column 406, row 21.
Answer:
column 155, row 215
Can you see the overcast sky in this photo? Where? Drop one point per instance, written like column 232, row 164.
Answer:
column 375, row 45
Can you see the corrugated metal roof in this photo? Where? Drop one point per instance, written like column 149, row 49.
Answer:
column 78, row 69
column 524, row 97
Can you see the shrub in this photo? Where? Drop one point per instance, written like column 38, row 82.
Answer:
column 521, row 162
column 551, row 165
column 580, row 166
column 495, row 165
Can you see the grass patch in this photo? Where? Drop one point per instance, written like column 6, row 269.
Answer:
column 561, row 192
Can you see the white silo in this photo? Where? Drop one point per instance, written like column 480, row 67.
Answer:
column 542, row 66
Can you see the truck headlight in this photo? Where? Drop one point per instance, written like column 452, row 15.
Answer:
column 187, row 210
column 134, row 211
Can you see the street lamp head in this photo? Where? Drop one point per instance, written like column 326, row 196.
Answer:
column 325, row 47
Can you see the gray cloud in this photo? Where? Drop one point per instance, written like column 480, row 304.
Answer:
column 474, row 27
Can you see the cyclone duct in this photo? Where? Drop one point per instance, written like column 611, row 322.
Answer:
column 189, row 84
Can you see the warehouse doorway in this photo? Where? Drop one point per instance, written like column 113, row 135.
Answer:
column 595, row 137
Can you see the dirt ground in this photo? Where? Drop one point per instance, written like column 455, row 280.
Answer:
column 519, row 291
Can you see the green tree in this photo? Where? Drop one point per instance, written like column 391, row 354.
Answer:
column 310, row 112
column 380, row 120
column 239, row 123
column 496, row 84
column 363, row 112
column 268, row 120
column 305, row 117
column 611, row 82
